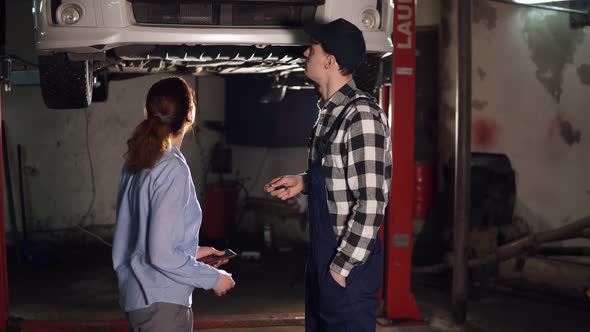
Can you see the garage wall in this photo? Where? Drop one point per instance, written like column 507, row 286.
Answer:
column 72, row 158
column 428, row 13
column 531, row 92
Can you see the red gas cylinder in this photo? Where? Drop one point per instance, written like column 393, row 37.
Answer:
column 219, row 211
column 424, row 188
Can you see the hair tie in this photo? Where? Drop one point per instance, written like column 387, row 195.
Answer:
column 161, row 117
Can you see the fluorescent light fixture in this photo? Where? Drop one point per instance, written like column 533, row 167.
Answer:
column 532, row 2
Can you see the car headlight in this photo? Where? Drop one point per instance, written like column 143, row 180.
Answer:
column 69, row 13
column 370, row 19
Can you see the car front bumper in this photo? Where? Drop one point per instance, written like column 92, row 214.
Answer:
column 110, row 24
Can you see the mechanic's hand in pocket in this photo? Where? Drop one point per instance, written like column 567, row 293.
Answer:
column 340, row 279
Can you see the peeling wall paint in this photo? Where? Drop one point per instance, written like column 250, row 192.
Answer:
column 537, row 95
column 552, row 45
column 478, row 105
column 481, row 74
column 561, row 127
column 584, row 73
column 483, row 11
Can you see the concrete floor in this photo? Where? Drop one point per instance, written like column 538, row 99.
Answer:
column 80, row 285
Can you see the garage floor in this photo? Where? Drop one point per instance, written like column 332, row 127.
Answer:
column 78, row 284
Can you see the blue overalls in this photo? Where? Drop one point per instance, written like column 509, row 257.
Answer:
column 328, row 306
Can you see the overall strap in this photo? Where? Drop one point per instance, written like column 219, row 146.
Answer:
column 324, row 142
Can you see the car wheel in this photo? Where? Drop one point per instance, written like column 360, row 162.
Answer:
column 367, row 74
column 100, row 91
column 65, row 83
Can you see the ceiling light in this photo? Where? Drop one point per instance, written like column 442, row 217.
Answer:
column 531, row 2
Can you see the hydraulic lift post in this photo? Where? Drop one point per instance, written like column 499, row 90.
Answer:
column 400, row 304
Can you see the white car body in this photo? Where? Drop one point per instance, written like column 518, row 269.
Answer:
column 111, row 23
column 90, row 41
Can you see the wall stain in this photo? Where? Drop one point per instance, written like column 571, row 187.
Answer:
column 584, row 74
column 479, row 105
column 484, row 11
column 481, row 73
column 552, row 45
column 563, row 125
column 484, row 133
column 570, row 135
column 31, row 171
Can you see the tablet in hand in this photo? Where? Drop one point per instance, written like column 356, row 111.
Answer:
column 228, row 253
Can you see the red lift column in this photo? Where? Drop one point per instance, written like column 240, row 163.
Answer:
column 400, row 305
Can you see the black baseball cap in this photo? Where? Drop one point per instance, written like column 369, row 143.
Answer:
column 340, row 38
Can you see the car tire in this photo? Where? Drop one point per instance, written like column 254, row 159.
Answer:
column 100, row 91
column 65, row 83
column 367, row 74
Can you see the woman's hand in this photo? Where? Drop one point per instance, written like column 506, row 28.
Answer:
column 206, row 251
column 285, row 187
column 224, row 284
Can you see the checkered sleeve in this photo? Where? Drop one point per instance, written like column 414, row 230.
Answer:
column 365, row 167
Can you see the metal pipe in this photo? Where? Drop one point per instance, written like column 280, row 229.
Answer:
column 547, row 7
column 3, row 266
column 462, row 164
column 515, row 248
column 563, row 251
column 550, row 276
column 9, row 191
column 576, row 229
column 19, row 152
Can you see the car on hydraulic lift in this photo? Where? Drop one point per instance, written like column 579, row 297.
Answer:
column 82, row 44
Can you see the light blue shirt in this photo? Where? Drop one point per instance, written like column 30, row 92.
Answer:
column 156, row 239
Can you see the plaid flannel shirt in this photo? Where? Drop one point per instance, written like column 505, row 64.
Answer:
column 358, row 174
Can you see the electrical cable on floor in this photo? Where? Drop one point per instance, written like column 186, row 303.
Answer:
column 94, row 236
column 80, row 224
column 90, row 163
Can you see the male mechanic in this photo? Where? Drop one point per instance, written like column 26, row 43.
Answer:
column 347, row 183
